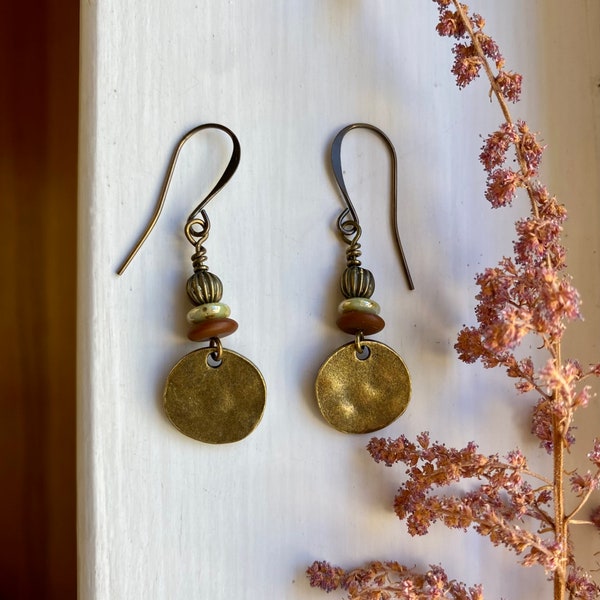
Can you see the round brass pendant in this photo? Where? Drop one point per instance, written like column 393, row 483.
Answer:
column 215, row 404
column 362, row 395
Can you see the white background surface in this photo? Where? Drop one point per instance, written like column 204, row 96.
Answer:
column 162, row 516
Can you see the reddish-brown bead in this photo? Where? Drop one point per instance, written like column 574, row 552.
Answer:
column 356, row 321
column 211, row 328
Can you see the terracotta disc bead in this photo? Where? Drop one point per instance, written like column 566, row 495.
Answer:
column 355, row 321
column 203, row 331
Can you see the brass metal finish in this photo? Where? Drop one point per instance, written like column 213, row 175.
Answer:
column 359, row 339
column 357, row 282
column 198, row 217
column 204, row 287
column 362, row 395
column 348, row 223
column 215, row 343
column 212, row 395
column 215, row 404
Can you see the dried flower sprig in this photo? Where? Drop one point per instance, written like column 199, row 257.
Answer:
column 526, row 294
column 387, row 580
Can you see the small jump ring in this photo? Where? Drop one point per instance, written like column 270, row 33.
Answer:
column 215, row 343
column 359, row 338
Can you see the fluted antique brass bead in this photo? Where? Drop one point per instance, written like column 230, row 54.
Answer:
column 357, row 282
column 204, row 287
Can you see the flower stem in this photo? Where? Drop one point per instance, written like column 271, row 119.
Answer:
column 560, row 523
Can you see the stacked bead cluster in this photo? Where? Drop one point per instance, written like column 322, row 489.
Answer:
column 358, row 313
column 210, row 317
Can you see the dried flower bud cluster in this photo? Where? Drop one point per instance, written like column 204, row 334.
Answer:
column 527, row 294
column 473, row 48
column 496, row 508
column 390, row 580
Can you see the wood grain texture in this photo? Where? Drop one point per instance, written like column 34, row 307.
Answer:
column 164, row 517
column 38, row 204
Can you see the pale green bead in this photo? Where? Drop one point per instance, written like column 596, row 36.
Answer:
column 212, row 310
column 365, row 305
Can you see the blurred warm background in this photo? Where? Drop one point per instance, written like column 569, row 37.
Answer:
column 38, row 183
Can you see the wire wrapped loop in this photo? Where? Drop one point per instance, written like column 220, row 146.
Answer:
column 197, row 230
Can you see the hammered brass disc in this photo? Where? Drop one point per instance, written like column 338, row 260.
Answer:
column 363, row 395
column 215, row 404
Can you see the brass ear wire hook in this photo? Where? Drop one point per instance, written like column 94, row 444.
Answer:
column 351, row 227
column 195, row 237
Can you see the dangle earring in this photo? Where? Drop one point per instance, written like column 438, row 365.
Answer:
column 213, row 395
column 364, row 385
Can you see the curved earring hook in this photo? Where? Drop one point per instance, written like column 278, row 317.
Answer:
column 194, row 237
column 351, row 226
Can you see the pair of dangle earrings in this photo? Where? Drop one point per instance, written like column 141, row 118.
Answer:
column 217, row 396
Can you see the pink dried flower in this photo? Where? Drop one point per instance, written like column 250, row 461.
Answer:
column 476, row 20
column 560, row 379
column 490, row 48
column 497, row 144
column 469, row 346
column 582, row 398
column 547, row 206
column 582, row 484
column 389, row 451
column 495, row 284
column 322, row 575
column 467, row 64
column 443, row 4
column 423, row 440
column 531, row 151
column 562, row 297
column 595, row 369
column 450, row 25
column 510, row 85
column 595, row 516
column 502, row 185
column 524, row 386
column 387, row 580
column 504, row 495
column 541, row 424
column 516, row 459
column 538, row 243
column 522, row 368
column 581, row 586
column 513, row 323
column 594, row 455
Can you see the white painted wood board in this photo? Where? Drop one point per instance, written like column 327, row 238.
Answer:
column 162, row 516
